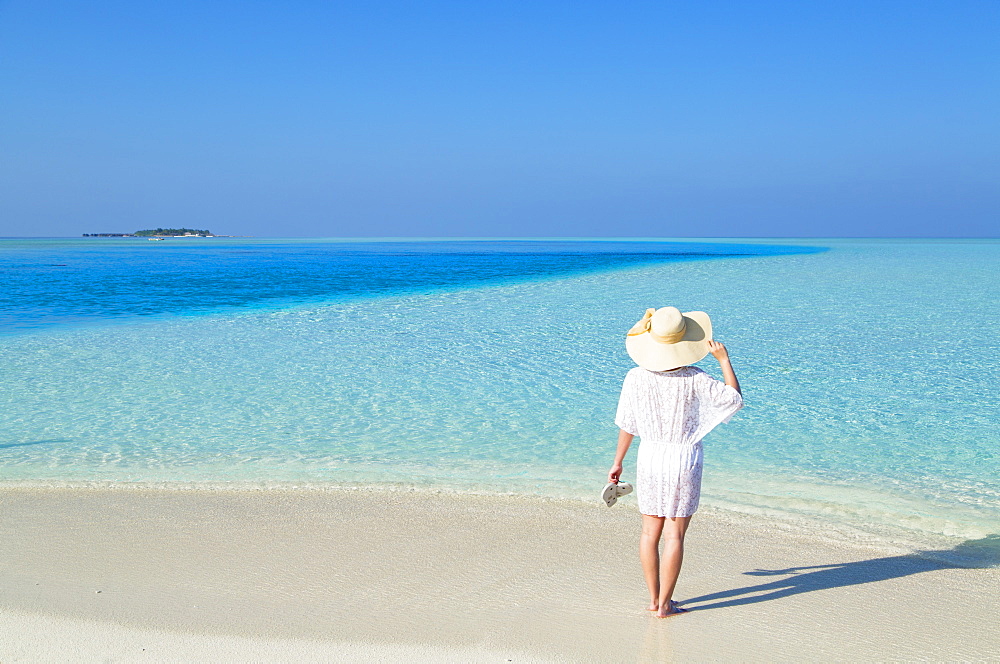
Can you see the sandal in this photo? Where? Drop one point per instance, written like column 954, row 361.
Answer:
column 612, row 492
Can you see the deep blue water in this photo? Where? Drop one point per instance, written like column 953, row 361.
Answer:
column 45, row 283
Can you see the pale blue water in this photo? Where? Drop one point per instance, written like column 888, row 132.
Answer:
column 869, row 369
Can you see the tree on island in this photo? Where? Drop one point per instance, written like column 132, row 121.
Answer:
column 172, row 231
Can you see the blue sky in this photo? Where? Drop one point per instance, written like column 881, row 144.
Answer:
column 648, row 119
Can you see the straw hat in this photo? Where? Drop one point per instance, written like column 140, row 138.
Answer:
column 667, row 339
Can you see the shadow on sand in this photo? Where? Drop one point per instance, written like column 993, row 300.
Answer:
column 4, row 446
column 980, row 553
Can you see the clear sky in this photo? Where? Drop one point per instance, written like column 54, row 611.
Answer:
column 475, row 118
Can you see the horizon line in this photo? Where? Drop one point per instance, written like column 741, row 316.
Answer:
column 496, row 238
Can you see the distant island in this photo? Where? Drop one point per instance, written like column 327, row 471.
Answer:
column 158, row 232
column 173, row 232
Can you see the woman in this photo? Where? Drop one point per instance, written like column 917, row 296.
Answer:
column 671, row 406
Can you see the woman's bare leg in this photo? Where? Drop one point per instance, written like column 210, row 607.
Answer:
column 649, row 555
column 670, row 565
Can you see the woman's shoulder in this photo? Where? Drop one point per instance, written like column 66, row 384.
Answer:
column 632, row 375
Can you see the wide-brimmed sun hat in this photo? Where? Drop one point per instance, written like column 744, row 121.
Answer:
column 667, row 339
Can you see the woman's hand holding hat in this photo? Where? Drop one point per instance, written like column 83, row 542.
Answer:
column 717, row 350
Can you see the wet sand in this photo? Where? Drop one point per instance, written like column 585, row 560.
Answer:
column 153, row 575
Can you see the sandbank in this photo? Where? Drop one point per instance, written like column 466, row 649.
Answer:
column 140, row 574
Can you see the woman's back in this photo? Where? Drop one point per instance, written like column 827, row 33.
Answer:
column 679, row 406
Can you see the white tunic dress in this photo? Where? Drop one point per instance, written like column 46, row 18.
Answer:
column 671, row 411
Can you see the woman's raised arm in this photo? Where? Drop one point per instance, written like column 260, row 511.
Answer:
column 720, row 353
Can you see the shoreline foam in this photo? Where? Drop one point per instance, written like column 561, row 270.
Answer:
column 898, row 540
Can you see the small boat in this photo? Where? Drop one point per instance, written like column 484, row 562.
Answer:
column 155, row 239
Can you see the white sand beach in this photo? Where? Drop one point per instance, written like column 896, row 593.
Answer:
column 305, row 575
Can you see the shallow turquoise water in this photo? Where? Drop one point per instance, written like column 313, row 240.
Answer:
column 869, row 372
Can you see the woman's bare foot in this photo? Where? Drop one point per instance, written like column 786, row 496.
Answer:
column 653, row 606
column 672, row 610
